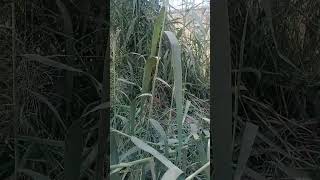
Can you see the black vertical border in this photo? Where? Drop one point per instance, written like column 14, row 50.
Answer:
column 104, row 124
column 108, row 60
column 220, row 91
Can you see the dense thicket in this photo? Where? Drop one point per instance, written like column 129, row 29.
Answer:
column 279, row 86
column 59, row 49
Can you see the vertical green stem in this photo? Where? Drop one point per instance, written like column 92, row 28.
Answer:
column 132, row 116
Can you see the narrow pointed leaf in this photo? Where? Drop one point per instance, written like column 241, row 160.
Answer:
column 248, row 138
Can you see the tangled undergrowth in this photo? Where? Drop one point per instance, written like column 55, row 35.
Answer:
column 275, row 45
column 160, row 89
column 160, row 95
column 52, row 80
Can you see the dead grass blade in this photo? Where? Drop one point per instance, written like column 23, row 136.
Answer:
column 58, row 65
column 51, row 107
column 248, row 138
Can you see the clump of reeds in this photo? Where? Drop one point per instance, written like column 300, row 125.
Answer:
column 160, row 108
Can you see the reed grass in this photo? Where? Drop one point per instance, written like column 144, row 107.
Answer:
column 160, row 125
column 157, row 97
column 154, row 119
